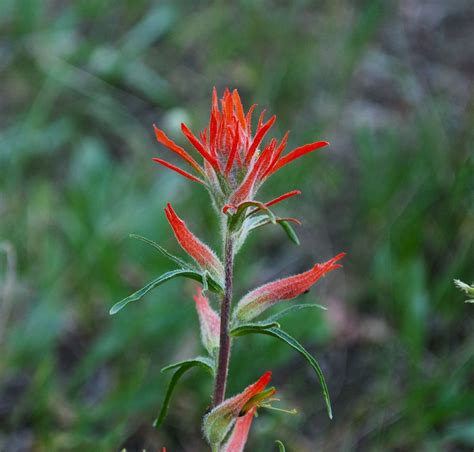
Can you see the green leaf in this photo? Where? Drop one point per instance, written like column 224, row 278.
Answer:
column 290, row 232
column 202, row 361
column 247, row 328
column 213, row 285
column 293, row 308
column 182, row 367
column 281, row 446
column 166, row 253
column 293, row 343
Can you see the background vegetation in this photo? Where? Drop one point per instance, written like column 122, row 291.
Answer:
column 389, row 83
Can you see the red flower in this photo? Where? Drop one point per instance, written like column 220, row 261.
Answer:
column 218, row 422
column 198, row 250
column 235, row 163
column 209, row 321
column 260, row 299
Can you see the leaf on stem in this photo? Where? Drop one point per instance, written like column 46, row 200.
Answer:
column 182, row 367
column 290, row 232
column 184, row 272
column 166, row 253
column 293, row 343
column 281, row 446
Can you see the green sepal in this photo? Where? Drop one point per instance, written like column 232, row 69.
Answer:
column 182, row 366
column 293, row 343
column 184, row 272
column 257, row 399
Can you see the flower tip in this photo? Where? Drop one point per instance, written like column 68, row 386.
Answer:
column 266, row 377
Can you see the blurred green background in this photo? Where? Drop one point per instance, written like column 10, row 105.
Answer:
column 388, row 83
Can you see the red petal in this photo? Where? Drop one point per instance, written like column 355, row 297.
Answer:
column 238, row 438
column 258, row 138
column 281, row 147
column 298, row 152
column 239, row 109
column 179, row 170
column 282, row 197
column 170, row 144
column 198, row 250
column 244, row 190
column 199, row 147
column 233, row 151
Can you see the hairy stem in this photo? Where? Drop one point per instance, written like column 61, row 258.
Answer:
column 224, row 342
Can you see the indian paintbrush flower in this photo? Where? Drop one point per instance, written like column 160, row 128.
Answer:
column 260, row 299
column 234, row 161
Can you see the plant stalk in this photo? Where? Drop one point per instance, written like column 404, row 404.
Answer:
column 224, row 341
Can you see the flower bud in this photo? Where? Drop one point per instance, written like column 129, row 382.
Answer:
column 199, row 251
column 260, row 299
column 209, row 321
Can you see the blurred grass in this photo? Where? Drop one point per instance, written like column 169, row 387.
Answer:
column 83, row 81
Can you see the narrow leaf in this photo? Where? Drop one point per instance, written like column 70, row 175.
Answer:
column 182, row 367
column 197, row 276
column 166, row 253
column 290, row 232
column 293, row 308
column 246, row 328
column 204, row 362
column 293, row 343
column 281, row 446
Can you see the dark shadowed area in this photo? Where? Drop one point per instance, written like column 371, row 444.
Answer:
column 388, row 83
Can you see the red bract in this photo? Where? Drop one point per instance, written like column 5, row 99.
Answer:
column 235, row 163
column 238, row 438
column 218, row 422
column 199, row 251
column 209, row 321
column 260, row 299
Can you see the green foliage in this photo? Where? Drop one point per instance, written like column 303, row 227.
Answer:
column 278, row 333
column 182, row 367
column 281, row 446
column 184, row 272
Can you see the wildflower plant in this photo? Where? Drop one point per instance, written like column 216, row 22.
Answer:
column 233, row 164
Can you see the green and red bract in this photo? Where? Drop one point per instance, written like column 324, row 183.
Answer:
column 235, row 163
column 260, row 299
column 220, row 420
